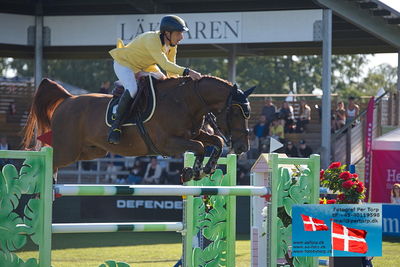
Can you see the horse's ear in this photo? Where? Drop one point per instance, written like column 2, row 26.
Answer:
column 235, row 87
column 249, row 91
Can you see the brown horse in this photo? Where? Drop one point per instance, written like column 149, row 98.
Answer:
column 79, row 131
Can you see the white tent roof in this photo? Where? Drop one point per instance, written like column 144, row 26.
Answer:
column 389, row 141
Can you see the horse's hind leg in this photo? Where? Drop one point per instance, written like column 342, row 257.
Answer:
column 64, row 152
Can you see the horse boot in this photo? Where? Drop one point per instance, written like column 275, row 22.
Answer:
column 115, row 132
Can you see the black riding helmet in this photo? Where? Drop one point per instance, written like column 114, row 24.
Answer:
column 172, row 23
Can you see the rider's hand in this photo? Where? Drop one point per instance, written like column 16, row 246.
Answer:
column 194, row 75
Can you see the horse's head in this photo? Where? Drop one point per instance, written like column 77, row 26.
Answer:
column 233, row 122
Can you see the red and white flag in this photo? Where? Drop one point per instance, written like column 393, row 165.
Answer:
column 348, row 239
column 312, row 224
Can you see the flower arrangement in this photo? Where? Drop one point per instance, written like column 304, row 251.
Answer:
column 350, row 190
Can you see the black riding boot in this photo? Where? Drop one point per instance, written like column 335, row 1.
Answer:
column 115, row 132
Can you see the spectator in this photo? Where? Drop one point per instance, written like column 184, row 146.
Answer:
column 113, row 167
column 261, row 129
column 304, row 150
column 4, row 144
column 395, row 195
column 153, row 172
column 276, row 130
column 304, row 118
column 269, row 110
column 105, row 87
column 254, row 150
column 286, row 113
column 291, row 150
column 12, row 109
column 136, row 173
column 174, row 169
column 340, row 116
column 352, row 110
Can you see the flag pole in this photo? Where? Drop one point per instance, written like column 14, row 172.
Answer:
column 332, row 238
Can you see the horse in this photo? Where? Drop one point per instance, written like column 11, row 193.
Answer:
column 79, row 131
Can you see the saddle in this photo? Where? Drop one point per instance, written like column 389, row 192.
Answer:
column 146, row 102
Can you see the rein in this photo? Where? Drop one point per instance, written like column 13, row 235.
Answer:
column 211, row 118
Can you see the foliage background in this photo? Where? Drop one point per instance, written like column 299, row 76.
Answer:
column 271, row 74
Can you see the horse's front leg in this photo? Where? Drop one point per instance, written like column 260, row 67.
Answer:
column 180, row 145
column 216, row 142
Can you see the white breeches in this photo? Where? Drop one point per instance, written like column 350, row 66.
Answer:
column 126, row 77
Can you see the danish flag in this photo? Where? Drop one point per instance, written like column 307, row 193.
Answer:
column 312, row 224
column 348, row 239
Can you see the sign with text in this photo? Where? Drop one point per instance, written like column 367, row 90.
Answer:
column 385, row 173
column 341, row 230
column 204, row 28
column 391, row 220
column 132, row 208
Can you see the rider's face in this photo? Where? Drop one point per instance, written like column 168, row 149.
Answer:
column 176, row 37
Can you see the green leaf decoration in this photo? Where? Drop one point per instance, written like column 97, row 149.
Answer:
column 12, row 260
column 11, row 236
column 213, row 255
column 9, row 188
column 199, row 219
column 32, row 220
column 216, row 227
column 31, row 173
column 114, row 264
column 287, row 204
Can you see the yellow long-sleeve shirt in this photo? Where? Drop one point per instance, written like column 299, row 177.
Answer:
column 145, row 52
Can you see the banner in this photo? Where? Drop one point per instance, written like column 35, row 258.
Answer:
column 132, row 208
column 337, row 230
column 385, row 173
column 368, row 145
column 391, row 220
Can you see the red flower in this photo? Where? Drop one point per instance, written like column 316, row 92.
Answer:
column 355, row 176
column 360, row 187
column 321, row 202
column 321, row 175
column 347, row 184
column 331, row 201
column 341, row 197
column 334, row 165
column 345, row 175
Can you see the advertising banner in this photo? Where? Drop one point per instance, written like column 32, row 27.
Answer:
column 132, row 208
column 368, row 145
column 391, row 220
column 385, row 173
column 339, row 230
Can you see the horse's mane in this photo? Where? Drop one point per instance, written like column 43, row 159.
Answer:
column 187, row 78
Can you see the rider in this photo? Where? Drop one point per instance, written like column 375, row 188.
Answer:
column 141, row 55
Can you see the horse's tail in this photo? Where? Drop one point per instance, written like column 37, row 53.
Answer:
column 47, row 97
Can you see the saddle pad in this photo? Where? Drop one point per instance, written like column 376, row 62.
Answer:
column 146, row 114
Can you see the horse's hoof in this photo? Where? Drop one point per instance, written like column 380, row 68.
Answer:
column 187, row 174
column 199, row 175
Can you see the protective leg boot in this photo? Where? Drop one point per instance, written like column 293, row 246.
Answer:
column 115, row 132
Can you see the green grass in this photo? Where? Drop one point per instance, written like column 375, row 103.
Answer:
column 152, row 250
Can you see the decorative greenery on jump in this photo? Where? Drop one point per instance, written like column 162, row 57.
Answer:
column 209, row 215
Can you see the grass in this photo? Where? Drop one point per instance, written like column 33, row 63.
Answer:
column 152, row 250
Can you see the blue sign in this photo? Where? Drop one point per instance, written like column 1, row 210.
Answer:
column 391, row 220
column 342, row 230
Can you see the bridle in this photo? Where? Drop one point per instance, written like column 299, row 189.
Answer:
column 210, row 117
